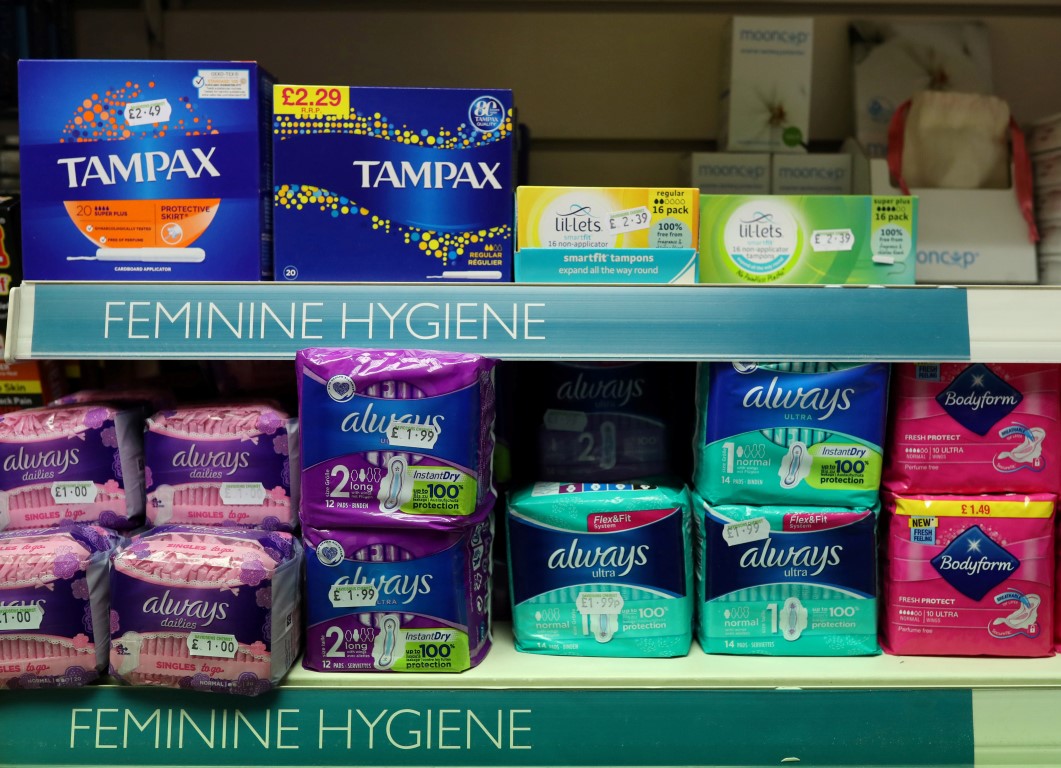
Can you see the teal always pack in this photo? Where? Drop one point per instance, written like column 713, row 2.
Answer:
column 790, row 433
column 786, row 581
column 601, row 569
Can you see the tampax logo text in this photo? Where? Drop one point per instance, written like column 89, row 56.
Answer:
column 426, row 175
column 578, row 218
column 138, row 167
column 621, row 391
column 194, row 458
column 824, row 401
column 618, row 559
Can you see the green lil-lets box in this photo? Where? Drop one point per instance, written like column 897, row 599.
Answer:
column 808, row 239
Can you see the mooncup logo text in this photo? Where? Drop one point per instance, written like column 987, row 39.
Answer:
column 784, row 36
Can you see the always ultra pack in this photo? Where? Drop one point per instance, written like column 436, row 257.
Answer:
column 790, row 433
column 144, row 170
column 392, row 184
column 601, row 569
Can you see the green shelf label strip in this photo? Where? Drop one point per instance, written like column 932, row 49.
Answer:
column 517, row 322
column 117, row 726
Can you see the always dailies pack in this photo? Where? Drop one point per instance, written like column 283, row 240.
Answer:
column 206, row 608
column 54, row 596
column 790, row 433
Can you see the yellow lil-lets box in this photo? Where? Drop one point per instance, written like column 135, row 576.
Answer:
column 606, row 234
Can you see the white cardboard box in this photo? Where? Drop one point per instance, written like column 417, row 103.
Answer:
column 766, row 79
column 730, row 173
column 814, row 174
column 965, row 236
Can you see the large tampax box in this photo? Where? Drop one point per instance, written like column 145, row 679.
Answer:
column 145, row 170
column 392, row 184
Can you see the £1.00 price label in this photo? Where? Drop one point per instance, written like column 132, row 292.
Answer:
column 13, row 617
column 212, row 645
column 74, row 492
column 240, row 494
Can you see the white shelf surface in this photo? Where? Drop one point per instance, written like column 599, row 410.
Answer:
column 524, row 709
column 507, row 668
column 533, row 322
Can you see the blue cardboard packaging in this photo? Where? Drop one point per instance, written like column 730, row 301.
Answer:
column 392, row 184
column 145, row 170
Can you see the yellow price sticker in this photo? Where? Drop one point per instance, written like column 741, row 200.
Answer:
column 309, row 101
column 1021, row 507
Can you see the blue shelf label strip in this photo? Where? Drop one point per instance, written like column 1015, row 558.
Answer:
column 117, row 726
column 270, row 320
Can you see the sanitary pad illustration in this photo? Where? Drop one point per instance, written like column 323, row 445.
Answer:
column 977, row 428
column 208, row 609
column 790, row 433
column 601, row 569
column 969, row 575
column 53, row 605
column 221, row 465
column 786, row 581
column 390, row 600
column 394, row 437
column 80, row 464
